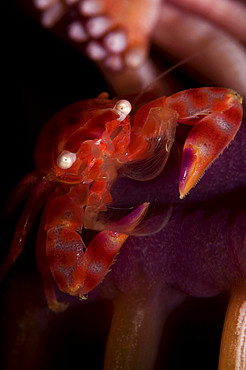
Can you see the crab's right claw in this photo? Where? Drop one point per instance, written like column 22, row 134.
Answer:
column 216, row 114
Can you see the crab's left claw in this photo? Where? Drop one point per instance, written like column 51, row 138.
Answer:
column 78, row 269
column 103, row 249
column 216, row 114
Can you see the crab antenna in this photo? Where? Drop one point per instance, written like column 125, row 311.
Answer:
column 163, row 74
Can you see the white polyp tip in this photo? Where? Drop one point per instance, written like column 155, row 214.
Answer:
column 134, row 57
column 52, row 15
column 97, row 26
column 123, row 108
column 116, row 41
column 95, row 51
column 66, row 159
column 76, row 32
column 114, row 62
column 90, row 7
column 43, row 4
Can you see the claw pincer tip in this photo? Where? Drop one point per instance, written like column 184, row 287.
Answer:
column 187, row 178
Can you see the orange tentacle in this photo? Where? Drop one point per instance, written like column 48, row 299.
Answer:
column 233, row 342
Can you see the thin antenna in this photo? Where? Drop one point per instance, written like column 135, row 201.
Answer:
column 163, row 74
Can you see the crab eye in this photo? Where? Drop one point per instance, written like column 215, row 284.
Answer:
column 123, row 108
column 66, row 159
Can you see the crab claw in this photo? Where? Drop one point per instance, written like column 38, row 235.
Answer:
column 103, row 249
column 216, row 114
column 78, row 269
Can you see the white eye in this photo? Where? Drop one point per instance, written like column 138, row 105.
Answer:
column 66, row 159
column 123, row 108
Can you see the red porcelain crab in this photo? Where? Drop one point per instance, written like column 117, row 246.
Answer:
column 78, row 156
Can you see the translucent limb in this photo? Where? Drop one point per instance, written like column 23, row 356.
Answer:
column 30, row 211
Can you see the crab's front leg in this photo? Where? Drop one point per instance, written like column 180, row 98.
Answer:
column 59, row 246
column 216, row 114
column 62, row 254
